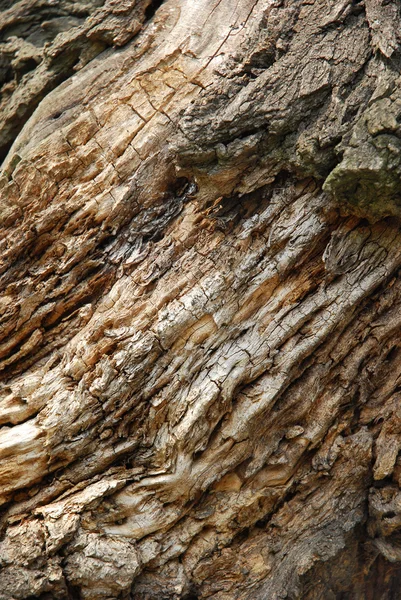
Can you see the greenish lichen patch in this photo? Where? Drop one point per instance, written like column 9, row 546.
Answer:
column 368, row 178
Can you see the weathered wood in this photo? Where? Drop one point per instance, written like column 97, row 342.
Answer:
column 200, row 299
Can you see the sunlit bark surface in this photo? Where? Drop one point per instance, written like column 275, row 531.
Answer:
column 200, row 303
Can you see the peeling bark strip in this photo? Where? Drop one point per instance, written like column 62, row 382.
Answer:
column 200, row 299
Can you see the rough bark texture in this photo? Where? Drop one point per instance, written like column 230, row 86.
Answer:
column 200, row 299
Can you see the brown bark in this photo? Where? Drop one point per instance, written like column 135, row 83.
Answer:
column 200, row 300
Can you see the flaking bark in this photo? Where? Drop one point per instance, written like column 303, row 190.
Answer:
column 200, row 300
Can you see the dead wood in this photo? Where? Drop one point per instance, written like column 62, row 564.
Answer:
column 200, row 299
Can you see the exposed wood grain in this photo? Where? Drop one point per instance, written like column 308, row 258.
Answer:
column 200, row 300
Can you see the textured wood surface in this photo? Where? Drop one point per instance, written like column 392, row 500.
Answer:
column 200, row 300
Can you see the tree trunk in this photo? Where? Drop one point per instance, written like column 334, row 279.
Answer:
column 200, row 299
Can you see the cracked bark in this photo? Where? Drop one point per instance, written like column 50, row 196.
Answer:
column 200, row 300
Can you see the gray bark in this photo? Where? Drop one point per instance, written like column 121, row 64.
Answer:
column 200, row 299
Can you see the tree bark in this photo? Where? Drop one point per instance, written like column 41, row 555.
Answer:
column 200, row 299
